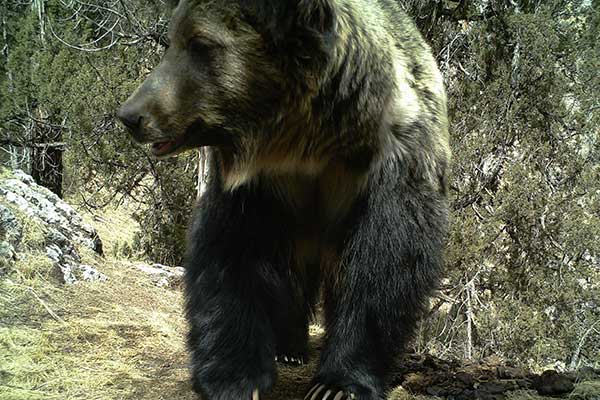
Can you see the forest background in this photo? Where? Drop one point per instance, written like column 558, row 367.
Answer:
column 523, row 258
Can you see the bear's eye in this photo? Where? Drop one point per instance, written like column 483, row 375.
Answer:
column 201, row 46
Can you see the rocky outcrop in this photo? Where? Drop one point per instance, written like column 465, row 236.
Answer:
column 64, row 229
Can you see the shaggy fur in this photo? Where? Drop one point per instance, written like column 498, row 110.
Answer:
column 329, row 153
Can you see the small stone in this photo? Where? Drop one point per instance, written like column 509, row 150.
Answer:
column 492, row 387
column 67, row 271
column 465, row 378
column 163, row 275
column 91, row 274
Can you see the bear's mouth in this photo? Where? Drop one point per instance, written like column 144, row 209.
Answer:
column 196, row 135
column 165, row 148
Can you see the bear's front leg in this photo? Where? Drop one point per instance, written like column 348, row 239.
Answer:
column 235, row 277
column 231, row 342
column 390, row 262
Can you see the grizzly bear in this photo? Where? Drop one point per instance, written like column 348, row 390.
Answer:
column 327, row 132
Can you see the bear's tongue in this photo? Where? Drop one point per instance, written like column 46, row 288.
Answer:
column 162, row 148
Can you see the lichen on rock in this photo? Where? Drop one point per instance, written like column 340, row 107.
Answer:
column 64, row 230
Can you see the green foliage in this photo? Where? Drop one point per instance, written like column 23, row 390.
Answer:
column 526, row 181
column 78, row 91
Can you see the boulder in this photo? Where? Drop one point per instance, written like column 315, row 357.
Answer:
column 64, row 229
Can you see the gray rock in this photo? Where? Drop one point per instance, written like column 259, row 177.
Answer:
column 10, row 227
column 22, row 176
column 8, row 255
column 11, row 234
column 54, row 253
column 163, row 275
column 91, row 274
column 73, row 272
column 41, row 203
column 64, row 228
column 552, row 383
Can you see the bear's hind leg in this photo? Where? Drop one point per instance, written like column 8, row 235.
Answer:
column 291, row 313
column 291, row 341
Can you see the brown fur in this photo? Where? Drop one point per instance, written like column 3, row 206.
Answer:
column 284, row 135
column 327, row 119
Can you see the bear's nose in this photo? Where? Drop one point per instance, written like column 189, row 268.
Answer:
column 130, row 117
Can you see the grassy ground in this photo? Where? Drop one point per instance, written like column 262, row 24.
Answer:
column 116, row 228
column 122, row 339
column 119, row 339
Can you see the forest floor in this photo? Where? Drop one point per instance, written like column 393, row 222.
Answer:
column 125, row 339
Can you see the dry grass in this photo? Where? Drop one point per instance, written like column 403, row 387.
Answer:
column 587, row 390
column 121, row 339
column 116, row 227
column 400, row 393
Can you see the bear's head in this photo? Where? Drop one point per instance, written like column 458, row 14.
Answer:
column 235, row 75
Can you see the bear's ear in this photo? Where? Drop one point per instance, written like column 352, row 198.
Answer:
column 293, row 24
column 316, row 15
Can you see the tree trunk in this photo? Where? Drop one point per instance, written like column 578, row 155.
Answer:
column 203, row 171
column 46, row 160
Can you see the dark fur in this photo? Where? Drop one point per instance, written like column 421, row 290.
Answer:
column 329, row 170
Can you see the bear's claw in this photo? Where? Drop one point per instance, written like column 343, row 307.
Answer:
column 324, row 392
column 290, row 360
